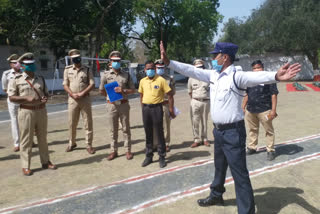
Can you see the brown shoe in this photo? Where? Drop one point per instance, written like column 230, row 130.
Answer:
column 71, row 148
column 49, row 165
column 195, row 144
column 129, row 155
column 112, row 156
column 206, row 143
column 26, row 172
column 167, row 149
column 16, row 149
column 91, row 150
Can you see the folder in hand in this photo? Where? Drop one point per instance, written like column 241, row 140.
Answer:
column 113, row 96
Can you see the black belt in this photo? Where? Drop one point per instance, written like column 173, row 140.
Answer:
column 152, row 105
column 222, row 127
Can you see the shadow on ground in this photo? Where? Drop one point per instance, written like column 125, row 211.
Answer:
column 61, row 130
column 17, row 156
column 188, row 155
column 290, row 149
column 271, row 200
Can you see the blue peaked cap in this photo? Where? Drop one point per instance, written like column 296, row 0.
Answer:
column 225, row 48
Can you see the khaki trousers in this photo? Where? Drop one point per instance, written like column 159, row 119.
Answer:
column 253, row 120
column 30, row 122
column 199, row 111
column 114, row 113
column 82, row 106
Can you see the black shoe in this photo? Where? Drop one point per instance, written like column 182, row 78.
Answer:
column 147, row 161
column 251, row 151
column 271, row 156
column 209, row 201
column 162, row 162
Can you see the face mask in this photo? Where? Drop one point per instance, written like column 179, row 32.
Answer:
column 76, row 60
column 116, row 65
column 160, row 71
column 17, row 66
column 216, row 66
column 28, row 67
column 151, row 72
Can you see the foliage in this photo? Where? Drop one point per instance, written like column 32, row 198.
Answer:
column 187, row 26
column 100, row 26
column 286, row 26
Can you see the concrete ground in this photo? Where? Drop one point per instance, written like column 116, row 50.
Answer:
column 293, row 189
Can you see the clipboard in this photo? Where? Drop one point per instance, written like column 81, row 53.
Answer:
column 113, row 96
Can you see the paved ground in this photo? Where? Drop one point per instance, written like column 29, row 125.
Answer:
column 91, row 184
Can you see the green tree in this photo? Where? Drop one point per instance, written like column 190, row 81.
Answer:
column 186, row 27
column 287, row 26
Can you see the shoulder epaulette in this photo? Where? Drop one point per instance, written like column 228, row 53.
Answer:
column 17, row 76
column 69, row 66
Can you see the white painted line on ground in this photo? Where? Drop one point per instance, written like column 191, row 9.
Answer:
column 134, row 179
column 93, row 106
column 197, row 190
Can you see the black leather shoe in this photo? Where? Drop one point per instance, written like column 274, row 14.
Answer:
column 146, row 161
column 271, row 156
column 251, row 151
column 162, row 162
column 209, row 201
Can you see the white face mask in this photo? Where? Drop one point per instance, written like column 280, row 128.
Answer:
column 160, row 71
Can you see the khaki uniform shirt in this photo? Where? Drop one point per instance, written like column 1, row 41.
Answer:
column 123, row 79
column 170, row 81
column 77, row 79
column 20, row 87
column 198, row 89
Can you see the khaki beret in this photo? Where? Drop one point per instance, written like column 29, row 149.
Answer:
column 27, row 58
column 115, row 55
column 159, row 63
column 198, row 63
column 74, row 53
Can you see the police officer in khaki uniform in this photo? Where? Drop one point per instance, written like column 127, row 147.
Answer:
column 78, row 82
column 12, row 107
column 118, row 110
column 199, row 107
column 30, row 91
column 160, row 69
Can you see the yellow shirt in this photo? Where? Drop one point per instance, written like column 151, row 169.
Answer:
column 153, row 90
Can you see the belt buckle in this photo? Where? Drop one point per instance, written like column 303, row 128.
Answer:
column 118, row 102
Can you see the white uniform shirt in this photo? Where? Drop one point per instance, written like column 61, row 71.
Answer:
column 225, row 98
column 6, row 77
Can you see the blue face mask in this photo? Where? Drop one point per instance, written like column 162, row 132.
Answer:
column 160, row 71
column 28, row 67
column 216, row 66
column 116, row 65
column 151, row 72
column 76, row 60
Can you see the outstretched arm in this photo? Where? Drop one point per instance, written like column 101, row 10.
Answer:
column 287, row 71
column 185, row 69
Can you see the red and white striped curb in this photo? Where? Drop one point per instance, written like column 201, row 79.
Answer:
column 136, row 179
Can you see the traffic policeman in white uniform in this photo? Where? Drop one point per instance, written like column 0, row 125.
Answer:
column 12, row 107
column 226, row 94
